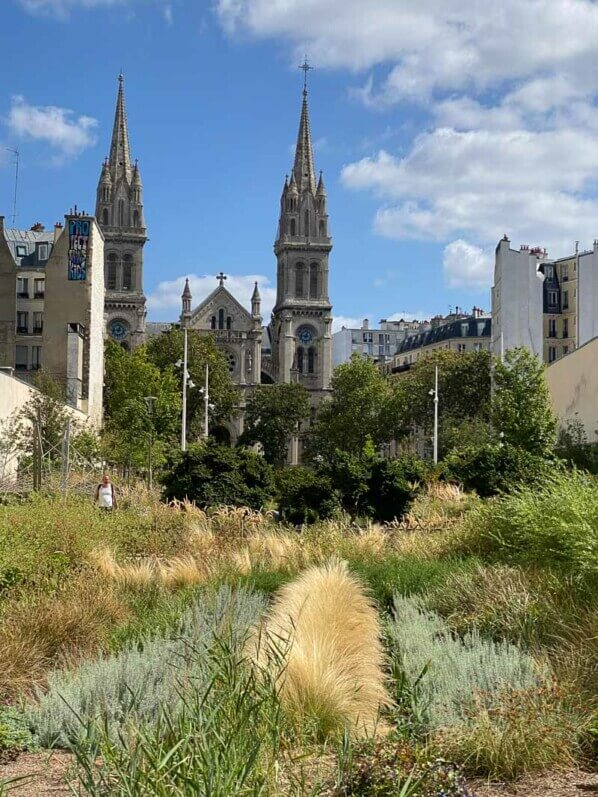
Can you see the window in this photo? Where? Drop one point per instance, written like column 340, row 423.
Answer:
column 22, row 322
column 548, row 272
column 38, row 323
column 380, row 337
column 477, row 346
column 300, row 359
column 39, row 288
column 552, row 328
column 462, row 347
column 311, row 360
column 23, row 287
column 221, row 318
column 365, row 337
column 21, row 250
column 213, row 322
column 121, row 212
column 20, row 358
column 293, row 227
column 565, row 327
column 553, row 298
column 42, row 252
column 105, row 217
column 307, row 222
column 299, row 279
column 565, row 272
column 565, row 300
column 229, row 322
column 36, row 357
column 465, row 330
column 127, row 273
column 111, row 276
column 313, row 281
column 551, row 354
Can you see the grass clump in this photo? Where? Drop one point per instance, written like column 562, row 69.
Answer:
column 327, row 633
column 134, row 685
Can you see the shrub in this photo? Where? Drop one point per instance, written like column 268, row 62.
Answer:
column 492, row 469
column 452, row 672
column 305, row 496
column 14, row 734
column 552, row 525
column 211, row 475
column 322, row 636
column 391, row 487
column 135, row 684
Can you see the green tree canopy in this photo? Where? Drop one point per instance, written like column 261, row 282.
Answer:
column 355, row 412
column 166, row 349
column 129, row 377
column 521, row 408
column 272, row 416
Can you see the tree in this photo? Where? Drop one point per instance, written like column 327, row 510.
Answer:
column 464, row 393
column 521, row 410
column 46, row 412
column 272, row 416
column 355, row 413
column 166, row 349
column 129, row 377
column 213, row 475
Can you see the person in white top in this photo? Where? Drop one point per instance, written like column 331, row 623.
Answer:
column 105, row 495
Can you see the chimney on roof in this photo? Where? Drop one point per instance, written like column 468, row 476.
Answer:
column 37, row 227
column 365, row 324
column 57, row 231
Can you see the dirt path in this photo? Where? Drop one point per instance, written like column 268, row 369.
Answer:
column 560, row 784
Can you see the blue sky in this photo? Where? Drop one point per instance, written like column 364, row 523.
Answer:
column 439, row 125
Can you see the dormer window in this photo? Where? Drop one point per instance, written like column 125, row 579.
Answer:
column 42, row 252
column 21, row 250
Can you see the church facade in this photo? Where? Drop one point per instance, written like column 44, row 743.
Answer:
column 296, row 345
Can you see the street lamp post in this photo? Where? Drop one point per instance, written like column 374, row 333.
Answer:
column 185, row 375
column 206, row 403
column 434, row 393
column 149, row 403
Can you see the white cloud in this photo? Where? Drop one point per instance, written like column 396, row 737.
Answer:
column 66, row 134
column 466, row 265
column 61, row 9
column 164, row 302
column 348, row 322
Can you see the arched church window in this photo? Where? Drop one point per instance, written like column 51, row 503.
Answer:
column 105, row 217
column 213, row 322
column 311, row 360
column 313, row 280
column 221, row 318
column 293, row 227
column 300, row 359
column 111, row 276
column 121, row 212
column 307, row 222
column 127, row 273
column 299, row 277
column 229, row 322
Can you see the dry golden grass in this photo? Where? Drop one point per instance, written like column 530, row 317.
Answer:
column 183, row 571
column 323, row 632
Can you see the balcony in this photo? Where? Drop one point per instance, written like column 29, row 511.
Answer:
column 23, row 295
column 22, row 331
column 39, row 294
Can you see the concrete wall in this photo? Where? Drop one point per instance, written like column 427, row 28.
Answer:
column 8, row 302
column 517, row 300
column 573, row 384
column 14, row 394
column 73, row 346
column 587, row 296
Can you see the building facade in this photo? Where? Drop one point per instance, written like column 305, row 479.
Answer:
column 119, row 212
column 458, row 332
column 380, row 343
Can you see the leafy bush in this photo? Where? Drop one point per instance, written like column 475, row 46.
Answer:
column 137, row 683
column 211, row 475
column 552, row 525
column 304, row 496
column 492, row 469
column 452, row 672
column 14, row 734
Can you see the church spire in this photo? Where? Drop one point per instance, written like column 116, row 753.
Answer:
column 120, row 150
column 303, row 168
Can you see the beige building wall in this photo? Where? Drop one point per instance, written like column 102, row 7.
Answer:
column 573, row 384
column 14, row 394
column 73, row 346
column 8, row 302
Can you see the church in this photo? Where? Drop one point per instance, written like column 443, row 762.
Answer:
column 296, row 345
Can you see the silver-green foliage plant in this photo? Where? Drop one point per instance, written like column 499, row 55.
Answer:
column 450, row 673
column 131, row 687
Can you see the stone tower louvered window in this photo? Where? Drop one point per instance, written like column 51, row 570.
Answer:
column 299, row 279
column 313, row 281
column 111, row 276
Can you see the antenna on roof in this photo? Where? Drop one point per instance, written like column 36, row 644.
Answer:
column 15, row 152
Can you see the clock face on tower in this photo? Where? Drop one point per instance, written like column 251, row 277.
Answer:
column 305, row 335
column 118, row 330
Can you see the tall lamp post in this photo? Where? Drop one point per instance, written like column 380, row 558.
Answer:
column 149, row 403
column 434, row 393
column 186, row 383
column 206, row 403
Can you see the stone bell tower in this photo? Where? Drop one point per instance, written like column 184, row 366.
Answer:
column 119, row 212
column 301, row 319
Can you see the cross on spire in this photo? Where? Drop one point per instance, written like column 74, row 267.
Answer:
column 221, row 277
column 305, row 67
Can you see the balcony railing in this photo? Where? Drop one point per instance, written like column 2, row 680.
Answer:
column 39, row 294
column 37, row 330
column 23, row 294
column 22, row 331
